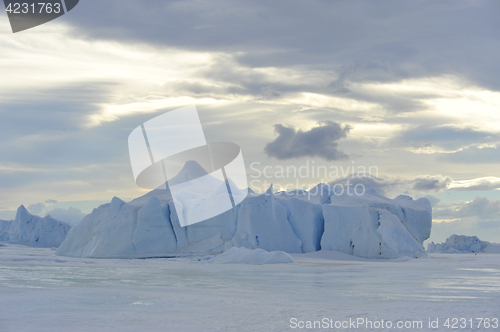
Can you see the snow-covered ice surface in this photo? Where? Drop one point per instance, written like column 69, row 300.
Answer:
column 253, row 256
column 43, row 292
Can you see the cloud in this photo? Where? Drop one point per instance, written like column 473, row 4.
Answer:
column 434, row 183
column 480, row 217
column 319, row 141
column 37, row 208
column 486, row 231
column 269, row 92
column 385, row 186
column 395, row 186
column 480, row 207
column 443, row 138
column 480, row 184
column 473, row 155
column 71, row 215
column 266, row 35
column 433, row 200
column 488, row 224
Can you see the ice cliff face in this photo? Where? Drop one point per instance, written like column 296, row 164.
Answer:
column 34, row 230
column 370, row 225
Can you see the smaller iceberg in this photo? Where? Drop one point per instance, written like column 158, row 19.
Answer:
column 33, row 230
column 463, row 243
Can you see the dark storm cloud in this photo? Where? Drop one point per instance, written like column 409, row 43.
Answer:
column 321, row 141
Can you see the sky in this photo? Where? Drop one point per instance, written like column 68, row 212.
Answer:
column 409, row 90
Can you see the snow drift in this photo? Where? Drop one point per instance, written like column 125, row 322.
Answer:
column 253, row 256
column 370, row 225
column 463, row 243
column 34, row 230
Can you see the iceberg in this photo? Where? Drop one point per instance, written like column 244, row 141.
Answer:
column 30, row 229
column 463, row 243
column 306, row 219
column 299, row 221
column 262, row 223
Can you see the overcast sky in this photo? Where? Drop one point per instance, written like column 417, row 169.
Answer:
column 409, row 88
